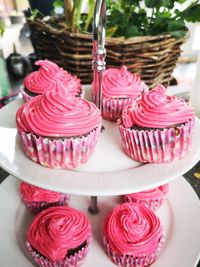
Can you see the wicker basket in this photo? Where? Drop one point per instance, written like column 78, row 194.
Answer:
column 153, row 57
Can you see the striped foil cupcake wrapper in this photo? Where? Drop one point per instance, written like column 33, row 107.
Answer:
column 157, row 145
column 112, row 108
column 132, row 260
column 73, row 261
column 36, row 207
column 26, row 97
column 153, row 204
column 66, row 153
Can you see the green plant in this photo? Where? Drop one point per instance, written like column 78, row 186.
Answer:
column 2, row 28
column 151, row 17
column 129, row 18
column 74, row 19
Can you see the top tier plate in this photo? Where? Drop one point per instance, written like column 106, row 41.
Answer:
column 109, row 171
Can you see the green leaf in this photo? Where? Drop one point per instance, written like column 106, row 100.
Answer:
column 151, row 3
column 2, row 28
column 111, row 31
column 34, row 14
column 192, row 14
column 129, row 2
column 77, row 14
column 181, row 1
column 176, row 25
column 131, row 31
column 90, row 15
column 159, row 25
column 115, row 19
column 178, row 34
column 58, row 3
column 177, row 13
column 166, row 14
column 168, row 3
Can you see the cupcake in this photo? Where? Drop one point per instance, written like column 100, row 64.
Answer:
column 37, row 82
column 132, row 235
column 37, row 199
column 59, row 236
column 152, row 198
column 58, row 131
column 119, row 88
column 157, row 128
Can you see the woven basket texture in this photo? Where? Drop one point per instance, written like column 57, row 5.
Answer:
column 152, row 57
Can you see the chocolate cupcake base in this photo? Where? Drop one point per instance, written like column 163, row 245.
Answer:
column 72, row 261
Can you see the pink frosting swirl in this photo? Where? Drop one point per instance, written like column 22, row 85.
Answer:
column 32, row 193
column 120, row 83
column 56, row 114
column 132, row 229
column 155, row 109
column 56, row 230
column 43, row 79
column 154, row 193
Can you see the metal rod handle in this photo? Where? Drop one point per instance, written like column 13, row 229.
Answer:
column 99, row 51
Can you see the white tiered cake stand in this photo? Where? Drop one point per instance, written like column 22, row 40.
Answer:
column 109, row 172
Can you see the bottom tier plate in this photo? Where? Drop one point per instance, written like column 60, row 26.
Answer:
column 180, row 216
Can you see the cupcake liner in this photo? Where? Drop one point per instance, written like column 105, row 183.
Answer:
column 165, row 188
column 26, row 97
column 63, row 153
column 112, row 107
column 153, row 204
column 73, row 261
column 36, row 207
column 149, row 199
column 132, row 260
column 157, row 145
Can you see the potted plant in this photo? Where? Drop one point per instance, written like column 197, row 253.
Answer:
column 144, row 35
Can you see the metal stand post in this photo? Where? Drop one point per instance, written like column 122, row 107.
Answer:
column 99, row 65
column 93, row 208
column 99, row 52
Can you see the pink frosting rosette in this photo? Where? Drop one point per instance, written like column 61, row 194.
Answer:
column 157, row 128
column 44, row 79
column 59, row 236
column 152, row 198
column 132, row 235
column 155, row 109
column 120, row 83
column 55, row 128
column 37, row 194
column 119, row 88
column 37, row 199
